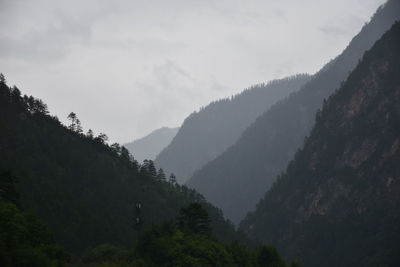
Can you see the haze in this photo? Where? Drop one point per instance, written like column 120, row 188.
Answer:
column 129, row 67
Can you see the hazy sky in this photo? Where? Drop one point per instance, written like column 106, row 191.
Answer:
column 128, row 67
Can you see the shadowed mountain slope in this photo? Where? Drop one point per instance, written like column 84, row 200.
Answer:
column 338, row 202
column 206, row 134
column 151, row 145
column 82, row 188
column 238, row 178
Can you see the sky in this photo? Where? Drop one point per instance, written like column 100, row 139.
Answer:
column 127, row 67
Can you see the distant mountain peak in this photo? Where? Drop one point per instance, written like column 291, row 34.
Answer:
column 149, row 146
column 205, row 134
column 240, row 176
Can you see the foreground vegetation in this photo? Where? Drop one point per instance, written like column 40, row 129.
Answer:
column 187, row 241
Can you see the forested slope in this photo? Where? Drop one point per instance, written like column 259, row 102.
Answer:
column 338, row 202
column 238, row 178
column 206, row 134
column 82, row 188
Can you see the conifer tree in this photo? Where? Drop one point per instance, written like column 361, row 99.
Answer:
column 194, row 219
column 161, row 175
column 172, row 179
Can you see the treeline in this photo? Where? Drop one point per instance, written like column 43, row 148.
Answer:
column 205, row 134
column 24, row 239
column 36, row 107
column 337, row 203
column 255, row 87
column 186, row 241
column 245, row 171
column 82, row 187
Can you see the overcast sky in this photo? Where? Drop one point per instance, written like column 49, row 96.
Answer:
column 128, row 67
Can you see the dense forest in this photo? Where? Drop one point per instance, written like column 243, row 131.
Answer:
column 85, row 190
column 306, row 166
column 205, row 134
column 186, row 241
column 24, row 239
column 238, row 178
column 338, row 202
column 151, row 145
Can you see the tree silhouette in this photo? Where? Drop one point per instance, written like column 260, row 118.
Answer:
column 90, row 134
column 8, row 191
column 2, row 78
column 194, row 219
column 75, row 123
column 161, row 175
column 172, row 179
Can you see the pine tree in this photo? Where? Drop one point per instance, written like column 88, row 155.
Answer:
column 152, row 169
column 172, row 179
column 2, row 79
column 161, row 175
column 72, row 117
column 90, row 134
column 194, row 219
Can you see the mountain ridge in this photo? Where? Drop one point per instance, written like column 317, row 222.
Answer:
column 207, row 133
column 150, row 145
column 84, row 189
column 239, row 177
column 337, row 203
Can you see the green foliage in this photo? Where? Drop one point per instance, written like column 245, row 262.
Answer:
column 84, row 189
column 194, row 219
column 106, row 254
column 8, row 191
column 171, row 244
column 26, row 241
column 268, row 256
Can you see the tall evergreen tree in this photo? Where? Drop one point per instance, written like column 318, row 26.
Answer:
column 194, row 219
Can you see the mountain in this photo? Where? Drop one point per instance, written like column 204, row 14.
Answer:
column 24, row 239
column 84, row 189
column 207, row 133
column 338, row 202
column 151, row 145
column 239, row 177
column 184, row 242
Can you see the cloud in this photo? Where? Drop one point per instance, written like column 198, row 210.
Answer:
column 334, row 30
column 127, row 67
column 48, row 44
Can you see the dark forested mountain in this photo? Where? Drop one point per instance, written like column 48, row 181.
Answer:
column 150, row 146
column 187, row 241
column 24, row 239
column 338, row 203
column 237, row 179
column 206, row 134
column 82, row 188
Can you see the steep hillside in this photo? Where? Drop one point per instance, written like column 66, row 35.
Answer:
column 82, row 188
column 151, row 145
column 206, row 134
column 338, row 203
column 237, row 179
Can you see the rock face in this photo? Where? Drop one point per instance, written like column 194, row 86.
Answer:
column 151, row 145
column 239, row 177
column 338, row 203
column 204, row 135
